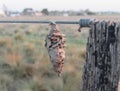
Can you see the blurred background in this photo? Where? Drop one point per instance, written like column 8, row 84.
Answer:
column 24, row 61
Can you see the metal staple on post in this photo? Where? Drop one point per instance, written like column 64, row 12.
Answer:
column 84, row 22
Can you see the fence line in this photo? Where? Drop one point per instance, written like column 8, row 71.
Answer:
column 81, row 22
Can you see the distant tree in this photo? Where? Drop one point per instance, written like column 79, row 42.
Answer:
column 45, row 11
column 88, row 12
column 28, row 11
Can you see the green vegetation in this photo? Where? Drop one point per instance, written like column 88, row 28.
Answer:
column 25, row 65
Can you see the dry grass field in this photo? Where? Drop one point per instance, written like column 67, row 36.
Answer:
column 100, row 17
column 24, row 61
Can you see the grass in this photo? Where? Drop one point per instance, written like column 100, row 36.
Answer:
column 25, row 64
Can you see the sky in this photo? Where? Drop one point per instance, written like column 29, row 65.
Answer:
column 93, row 5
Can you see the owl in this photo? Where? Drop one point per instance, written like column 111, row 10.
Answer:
column 55, row 44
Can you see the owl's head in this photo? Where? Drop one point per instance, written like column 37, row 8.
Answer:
column 54, row 27
column 52, row 24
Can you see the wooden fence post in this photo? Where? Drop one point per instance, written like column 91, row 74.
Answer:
column 102, row 66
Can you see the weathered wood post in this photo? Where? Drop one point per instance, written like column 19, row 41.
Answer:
column 102, row 66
